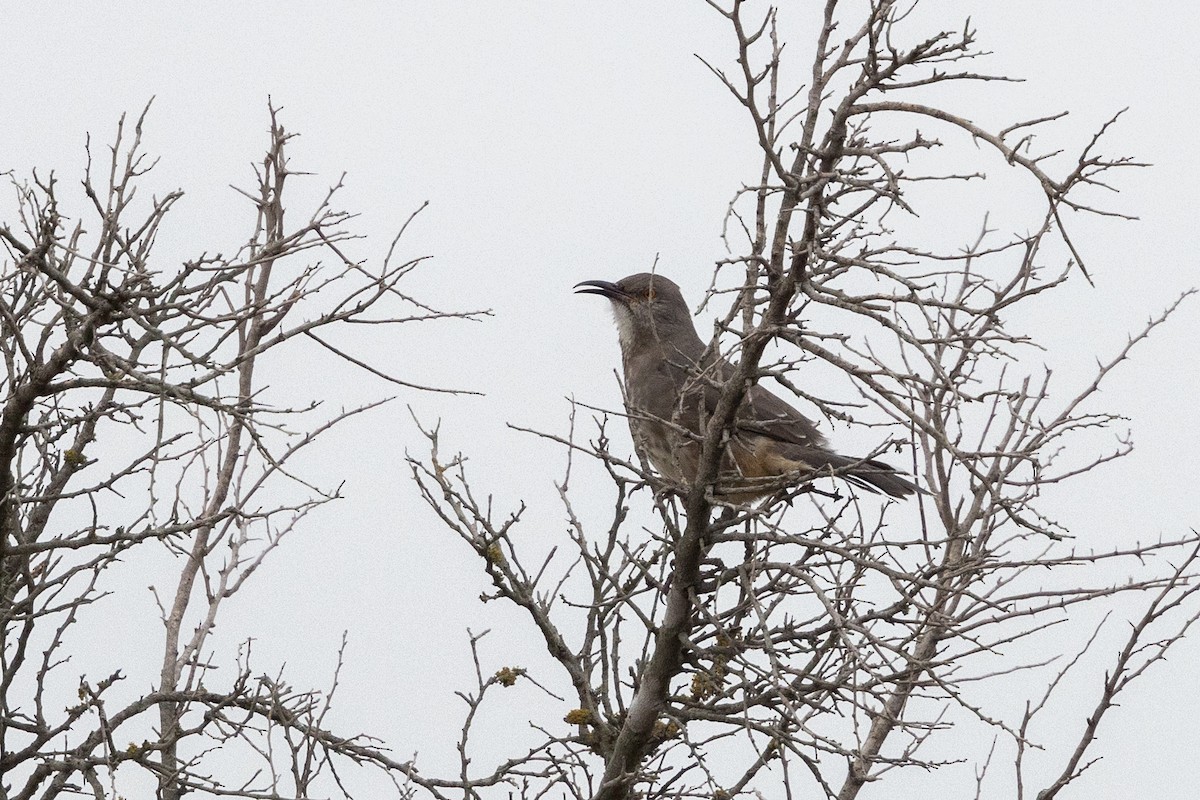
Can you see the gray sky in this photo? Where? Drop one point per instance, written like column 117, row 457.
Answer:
column 558, row 142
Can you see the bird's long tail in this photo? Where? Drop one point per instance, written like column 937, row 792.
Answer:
column 872, row 475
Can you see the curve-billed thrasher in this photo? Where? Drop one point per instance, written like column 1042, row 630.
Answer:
column 672, row 389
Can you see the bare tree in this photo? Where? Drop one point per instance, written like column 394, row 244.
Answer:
column 136, row 417
column 806, row 645
column 810, row 644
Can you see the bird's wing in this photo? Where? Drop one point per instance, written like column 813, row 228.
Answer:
column 794, row 438
column 762, row 413
column 765, row 414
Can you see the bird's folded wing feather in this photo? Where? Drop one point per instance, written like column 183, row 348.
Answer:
column 767, row 415
column 764, row 414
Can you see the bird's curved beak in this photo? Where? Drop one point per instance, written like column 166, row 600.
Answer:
column 603, row 288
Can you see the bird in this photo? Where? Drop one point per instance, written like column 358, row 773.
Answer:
column 672, row 384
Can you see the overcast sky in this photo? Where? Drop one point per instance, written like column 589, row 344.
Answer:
column 557, row 142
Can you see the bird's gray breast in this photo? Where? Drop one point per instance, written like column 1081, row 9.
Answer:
column 664, row 413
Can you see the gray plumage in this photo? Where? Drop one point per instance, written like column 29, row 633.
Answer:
column 672, row 388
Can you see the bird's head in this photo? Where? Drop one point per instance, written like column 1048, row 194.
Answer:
column 647, row 308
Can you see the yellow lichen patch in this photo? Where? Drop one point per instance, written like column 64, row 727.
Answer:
column 507, row 676
column 578, row 716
